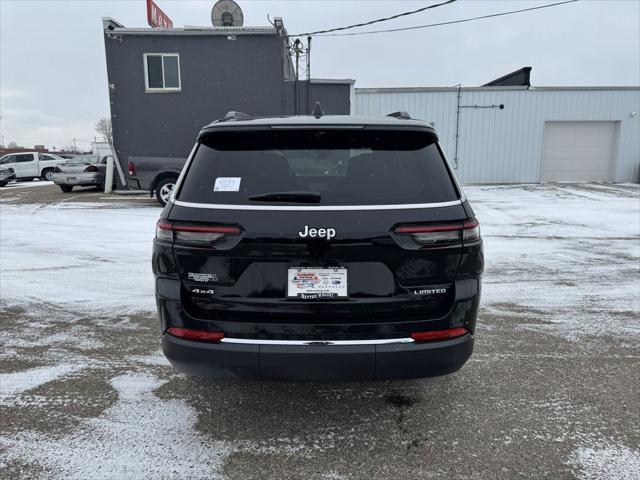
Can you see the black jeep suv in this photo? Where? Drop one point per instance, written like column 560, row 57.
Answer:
column 316, row 248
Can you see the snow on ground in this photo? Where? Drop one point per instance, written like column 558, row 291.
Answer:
column 17, row 185
column 141, row 436
column 604, row 460
column 559, row 259
column 570, row 254
column 87, row 257
column 17, row 382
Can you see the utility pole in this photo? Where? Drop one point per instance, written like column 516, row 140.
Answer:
column 298, row 50
column 75, row 148
column 309, row 75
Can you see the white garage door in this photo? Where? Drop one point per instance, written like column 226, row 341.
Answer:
column 577, row 152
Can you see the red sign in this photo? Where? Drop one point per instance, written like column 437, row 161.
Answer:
column 156, row 17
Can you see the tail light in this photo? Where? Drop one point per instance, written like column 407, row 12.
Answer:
column 91, row 168
column 199, row 335
column 198, row 235
column 131, row 168
column 442, row 234
column 57, row 170
column 439, row 334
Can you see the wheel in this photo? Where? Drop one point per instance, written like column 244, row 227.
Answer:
column 47, row 175
column 164, row 189
column 3, row 184
column 66, row 188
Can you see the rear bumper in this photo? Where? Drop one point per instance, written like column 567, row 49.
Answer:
column 78, row 178
column 317, row 362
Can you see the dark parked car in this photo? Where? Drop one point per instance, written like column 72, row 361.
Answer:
column 6, row 175
column 81, row 171
column 318, row 248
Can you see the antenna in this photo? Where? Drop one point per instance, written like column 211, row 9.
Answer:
column 226, row 13
column 317, row 111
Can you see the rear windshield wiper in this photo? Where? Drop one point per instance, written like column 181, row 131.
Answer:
column 297, row 197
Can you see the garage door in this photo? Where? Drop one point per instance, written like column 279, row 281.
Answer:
column 577, row 152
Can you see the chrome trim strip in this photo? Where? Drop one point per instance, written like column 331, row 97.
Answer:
column 383, row 341
column 322, row 208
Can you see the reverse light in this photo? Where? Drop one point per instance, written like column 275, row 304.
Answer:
column 198, row 335
column 439, row 334
column 193, row 234
column 442, row 234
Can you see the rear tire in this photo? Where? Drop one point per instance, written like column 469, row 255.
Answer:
column 47, row 174
column 3, row 184
column 66, row 188
column 164, row 188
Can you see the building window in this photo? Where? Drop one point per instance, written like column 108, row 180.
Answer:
column 162, row 72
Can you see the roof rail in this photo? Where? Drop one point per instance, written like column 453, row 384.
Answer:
column 400, row 115
column 233, row 115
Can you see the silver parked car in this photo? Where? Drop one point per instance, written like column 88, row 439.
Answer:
column 81, row 171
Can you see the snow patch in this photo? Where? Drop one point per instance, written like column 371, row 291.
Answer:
column 34, row 183
column 606, row 461
column 555, row 265
column 141, row 436
column 90, row 255
column 17, row 382
column 156, row 360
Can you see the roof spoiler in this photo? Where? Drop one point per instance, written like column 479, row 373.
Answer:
column 400, row 115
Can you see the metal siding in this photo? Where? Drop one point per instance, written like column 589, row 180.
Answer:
column 505, row 146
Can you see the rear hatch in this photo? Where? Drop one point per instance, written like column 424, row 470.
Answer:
column 320, row 225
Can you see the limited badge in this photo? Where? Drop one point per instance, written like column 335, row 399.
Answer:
column 203, row 277
column 430, row 291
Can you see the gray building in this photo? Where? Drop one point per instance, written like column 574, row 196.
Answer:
column 165, row 84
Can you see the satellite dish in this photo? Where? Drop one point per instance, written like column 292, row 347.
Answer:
column 226, row 13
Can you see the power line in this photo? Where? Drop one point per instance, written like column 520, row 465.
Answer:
column 404, row 14
column 511, row 12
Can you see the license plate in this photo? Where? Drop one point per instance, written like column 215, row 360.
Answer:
column 317, row 283
column 71, row 179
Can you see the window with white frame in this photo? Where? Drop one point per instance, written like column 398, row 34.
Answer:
column 162, row 72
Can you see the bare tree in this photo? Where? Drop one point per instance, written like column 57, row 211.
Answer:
column 103, row 127
column 13, row 145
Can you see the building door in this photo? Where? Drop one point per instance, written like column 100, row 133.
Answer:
column 577, row 152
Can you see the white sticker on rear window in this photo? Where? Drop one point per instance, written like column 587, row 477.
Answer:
column 227, row 184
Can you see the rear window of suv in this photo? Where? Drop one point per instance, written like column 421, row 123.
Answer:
column 340, row 167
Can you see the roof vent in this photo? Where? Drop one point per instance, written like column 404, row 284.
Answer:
column 400, row 115
column 317, row 111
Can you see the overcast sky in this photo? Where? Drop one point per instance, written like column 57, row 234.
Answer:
column 53, row 83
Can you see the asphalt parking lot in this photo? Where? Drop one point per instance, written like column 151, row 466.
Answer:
column 551, row 390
